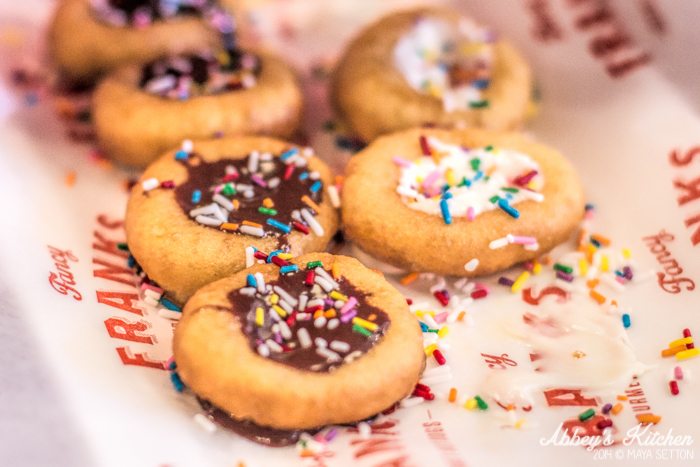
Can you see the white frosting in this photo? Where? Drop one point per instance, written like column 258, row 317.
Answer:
column 502, row 165
column 425, row 54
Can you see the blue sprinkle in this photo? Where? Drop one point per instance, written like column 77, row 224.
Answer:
column 283, row 227
column 131, row 261
column 303, row 176
column 478, row 175
column 170, row 305
column 196, row 196
column 289, row 268
column 316, row 186
column 250, row 281
column 446, row 195
column 446, row 216
column 177, row 382
column 503, row 204
column 272, row 255
column 590, row 207
column 423, row 327
column 626, row 320
column 481, row 83
column 289, row 153
column 181, row 155
column 172, row 366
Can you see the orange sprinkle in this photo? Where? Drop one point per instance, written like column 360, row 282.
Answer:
column 318, row 314
column 372, row 317
column 461, row 315
column 648, row 418
column 453, row 395
column 330, row 314
column 335, row 271
column 597, row 297
column 593, row 283
column 339, row 179
column 409, row 278
column 546, row 260
column 604, row 241
column 236, row 204
column 252, row 224
column 268, row 203
column 672, row 351
column 70, row 178
column 229, row 226
column 622, row 397
column 310, row 203
column 617, row 408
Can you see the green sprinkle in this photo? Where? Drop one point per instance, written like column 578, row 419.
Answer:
column 481, row 403
column 488, row 148
column 510, row 189
column 361, row 330
column 123, row 246
column 228, row 190
column 583, row 416
column 476, row 162
column 267, row 211
column 563, row 268
column 465, row 182
column 494, row 199
column 314, row 264
column 479, row 104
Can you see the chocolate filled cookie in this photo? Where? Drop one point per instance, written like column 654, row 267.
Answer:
column 90, row 37
column 459, row 202
column 202, row 212
column 140, row 111
column 433, row 67
column 314, row 341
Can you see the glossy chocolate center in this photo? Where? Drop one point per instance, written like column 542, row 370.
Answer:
column 260, row 195
column 144, row 12
column 305, row 321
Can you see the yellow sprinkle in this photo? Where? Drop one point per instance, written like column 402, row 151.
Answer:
column 370, row 326
column 681, row 341
column 450, row 177
column 443, row 331
column 604, row 266
column 285, row 255
column 519, row 282
column 335, row 295
column 519, row 423
column 268, row 203
column 259, row 316
column 583, row 266
column 280, row 311
column 626, row 253
column 536, row 268
column 335, row 270
column 421, row 313
column 430, row 349
column 453, row 395
column 686, row 354
column 274, row 299
column 470, row 404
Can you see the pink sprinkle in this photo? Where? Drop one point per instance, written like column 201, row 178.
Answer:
column 678, row 373
column 521, row 240
column 349, row 305
column 348, row 316
column 441, row 317
column 401, row 162
column 619, row 279
column 146, row 285
column 430, row 179
column 218, row 188
column 525, row 179
column 258, row 179
column 470, row 213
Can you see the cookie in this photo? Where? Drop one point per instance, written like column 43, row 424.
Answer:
column 86, row 38
column 319, row 341
column 140, row 111
column 199, row 213
column 459, row 202
column 430, row 67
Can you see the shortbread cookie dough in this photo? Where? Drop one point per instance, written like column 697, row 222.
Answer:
column 142, row 111
column 89, row 37
column 430, row 67
column 196, row 210
column 459, row 202
column 317, row 341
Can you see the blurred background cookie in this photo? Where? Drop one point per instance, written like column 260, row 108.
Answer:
column 199, row 214
column 432, row 67
column 459, row 202
column 140, row 111
column 319, row 341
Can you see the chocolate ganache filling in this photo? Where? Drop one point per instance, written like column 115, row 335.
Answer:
column 143, row 12
column 260, row 195
column 307, row 319
column 185, row 76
